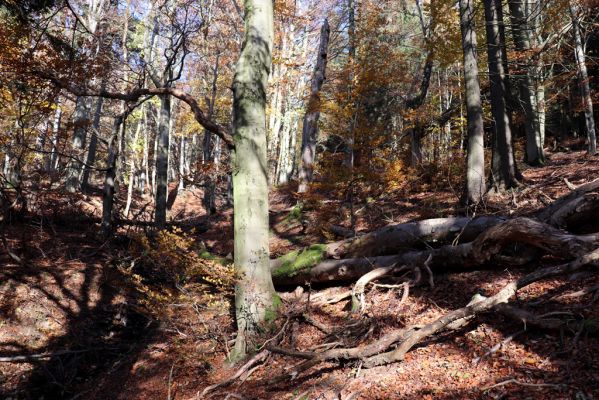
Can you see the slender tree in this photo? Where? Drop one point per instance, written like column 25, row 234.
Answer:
column 522, row 33
column 310, row 128
column 504, row 173
column 475, row 174
column 583, row 77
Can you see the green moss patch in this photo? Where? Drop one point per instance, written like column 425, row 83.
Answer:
column 298, row 260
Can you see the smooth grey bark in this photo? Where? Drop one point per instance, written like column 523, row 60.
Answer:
column 145, row 164
column 475, row 174
column 132, row 170
column 93, row 142
column 287, row 148
column 209, row 149
column 81, row 122
column 162, row 160
column 153, row 174
column 522, row 34
column 255, row 299
column 310, row 128
column 52, row 158
column 182, row 153
column 276, row 112
column 110, row 177
column 503, row 174
column 583, row 77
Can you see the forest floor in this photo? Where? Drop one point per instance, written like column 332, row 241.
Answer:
column 81, row 320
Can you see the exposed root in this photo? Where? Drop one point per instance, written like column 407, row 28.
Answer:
column 358, row 302
column 256, row 359
column 372, row 354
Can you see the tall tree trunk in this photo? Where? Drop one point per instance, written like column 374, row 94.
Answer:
column 81, row 123
column 162, row 161
column 145, row 164
column 52, row 158
column 132, row 170
column 276, row 112
column 286, row 149
column 503, row 164
column 109, row 179
column 475, row 174
column 209, row 199
column 93, row 142
column 255, row 298
column 182, row 151
column 583, row 76
column 351, row 33
column 310, row 129
column 521, row 31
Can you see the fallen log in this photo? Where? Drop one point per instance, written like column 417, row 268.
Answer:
column 373, row 353
column 565, row 206
column 488, row 246
column 577, row 208
column 391, row 240
column 577, row 212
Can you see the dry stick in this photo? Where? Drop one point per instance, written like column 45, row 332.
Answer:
column 498, row 346
column 411, row 336
column 170, row 382
column 34, row 357
column 259, row 357
column 320, row 326
column 517, row 382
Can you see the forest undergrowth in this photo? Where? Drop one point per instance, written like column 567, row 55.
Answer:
column 149, row 316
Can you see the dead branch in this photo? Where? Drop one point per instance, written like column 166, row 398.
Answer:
column 372, row 355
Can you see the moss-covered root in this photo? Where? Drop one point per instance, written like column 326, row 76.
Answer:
column 298, row 260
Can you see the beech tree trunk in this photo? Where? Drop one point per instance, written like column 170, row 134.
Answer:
column 109, row 179
column 475, row 174
column 52, row 158
column 503, row 165
column 310, row 129
column 255, row 299
column 583, row 77
column 210, row 150
column 132, row 170
column 162, row 161
column 522, row 32
column 81, row 123
column 93, row 143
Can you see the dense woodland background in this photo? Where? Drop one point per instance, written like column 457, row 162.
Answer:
column 299, row 199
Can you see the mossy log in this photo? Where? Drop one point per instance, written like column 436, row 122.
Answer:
column 390, row 239
column 508, row 242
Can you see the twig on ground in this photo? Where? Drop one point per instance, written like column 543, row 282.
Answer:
column 534, row 385
column 498, row 346
column 170, row 382
column 258, row 358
